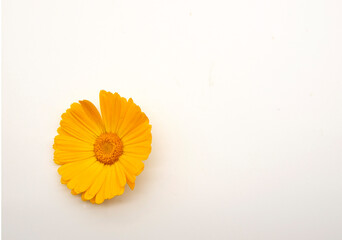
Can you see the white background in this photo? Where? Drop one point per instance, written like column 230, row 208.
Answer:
column 245, row 100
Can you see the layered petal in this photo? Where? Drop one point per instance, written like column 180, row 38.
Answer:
column 133, row 119
column 70, row 144
column 84, row 180
column 70, row 170
column 76, row 123
column 63, row 157
column 110, row 110
column 95, row 117
column 130, row 176
column 97, row 184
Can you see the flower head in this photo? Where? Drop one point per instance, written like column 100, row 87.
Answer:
column 100, row 153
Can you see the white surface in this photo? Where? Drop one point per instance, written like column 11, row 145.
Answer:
column 245, row 102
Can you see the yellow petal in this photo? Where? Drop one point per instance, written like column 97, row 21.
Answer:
column 116, row 189
column 120, row 175
column 97, row 184
column 83, row 181
column 62, row 157
column 100, row 196
column 63, row 181
column 125, row 106
column 136, row 122
column 76, row 123
column 70, row 170
column 108, row 184
column 139, row 153
column 94, row 115
column 71, row 144
column 143, row 148
column 82, row 197
column 141, row 133
column 131, row 185
column 92, row 200
column 130, row 177
column 110, row 109
column 133, row 118
column 132, row 165
column 73, row 192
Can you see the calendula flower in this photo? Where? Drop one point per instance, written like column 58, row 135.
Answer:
column 100, row 153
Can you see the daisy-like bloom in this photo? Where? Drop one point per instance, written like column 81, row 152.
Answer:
column 100, row 153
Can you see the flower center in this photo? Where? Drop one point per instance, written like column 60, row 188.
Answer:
column 108, row 148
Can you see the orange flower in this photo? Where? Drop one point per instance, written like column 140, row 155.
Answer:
column 99, row 154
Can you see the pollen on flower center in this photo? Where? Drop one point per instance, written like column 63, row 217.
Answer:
column 108, row 148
